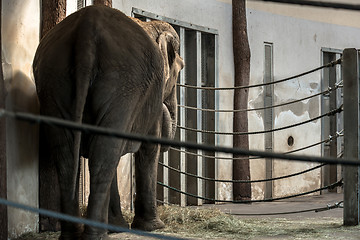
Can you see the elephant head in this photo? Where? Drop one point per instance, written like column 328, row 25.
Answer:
column 168, row 41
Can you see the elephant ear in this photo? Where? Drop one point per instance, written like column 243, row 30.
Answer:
column 168, row 44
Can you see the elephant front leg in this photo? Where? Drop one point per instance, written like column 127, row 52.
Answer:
column 146, row 161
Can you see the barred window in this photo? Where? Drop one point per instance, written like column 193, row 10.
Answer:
column 198, row 48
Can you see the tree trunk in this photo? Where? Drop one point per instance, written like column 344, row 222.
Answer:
column 107, row 3
column 3, row 174
column 53, row 12
column 241, row 168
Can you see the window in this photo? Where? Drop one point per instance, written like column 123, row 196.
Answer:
column 74, row 5
column 198, row 47
column 83, row 3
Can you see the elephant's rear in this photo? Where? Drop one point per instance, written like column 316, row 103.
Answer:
column 100, row 67
column 91, row 56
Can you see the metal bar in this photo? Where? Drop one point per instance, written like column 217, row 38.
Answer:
column 174, row 22
column 166, row 176
column 339, row 121
column 351, row 135
column 332, row 50
column 182, row 120
column 191, row 73
column 199, row 114
column 268, row 115
column 333, row 123
column 217, row 103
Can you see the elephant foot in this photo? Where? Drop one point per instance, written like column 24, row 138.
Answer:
column 70, row 236
column 103, row 236
column 73, row 234
column 118, row 221
column 147, row 225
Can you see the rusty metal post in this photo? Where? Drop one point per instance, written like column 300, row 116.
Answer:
column 352, row 135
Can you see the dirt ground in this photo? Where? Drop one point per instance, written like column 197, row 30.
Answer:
column 214, row 222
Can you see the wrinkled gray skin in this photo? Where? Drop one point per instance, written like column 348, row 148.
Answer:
column 100, row 67
column 168, row 126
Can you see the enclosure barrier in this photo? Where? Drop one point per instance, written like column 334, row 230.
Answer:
column 328, row 207
column 153, row 140
column 332, row 186
column 348, row 160
column 326, row 92
column 88, row 222
column 329, row 139
column 200, row 130
column 331, row 64
column 328, row 114
column 167, row 142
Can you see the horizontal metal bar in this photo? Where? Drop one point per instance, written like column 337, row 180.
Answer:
column 174, row 21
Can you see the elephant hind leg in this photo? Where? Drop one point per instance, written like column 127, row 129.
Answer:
column 104, row 156
column 61, row 151
column 115, row 215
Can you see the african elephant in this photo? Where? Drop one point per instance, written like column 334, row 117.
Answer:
column 100, row 67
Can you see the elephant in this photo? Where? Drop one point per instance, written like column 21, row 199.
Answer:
column 152, row 28
column 100, row 67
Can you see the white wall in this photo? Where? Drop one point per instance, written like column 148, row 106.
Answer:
column 20, row 37
column 297, row 47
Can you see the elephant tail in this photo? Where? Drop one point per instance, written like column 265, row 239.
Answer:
column 85, row 60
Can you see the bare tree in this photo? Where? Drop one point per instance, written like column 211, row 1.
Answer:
column 241, row 168
column 103, row 2
column 53, row 12
column 3, row 188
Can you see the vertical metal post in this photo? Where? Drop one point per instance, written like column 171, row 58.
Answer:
column 351, row 133
column 166, row 176
column 217, row 103
column 199, row 116
column 268, row 116
column 192, row 53
column 182, row 121
column 339, row 123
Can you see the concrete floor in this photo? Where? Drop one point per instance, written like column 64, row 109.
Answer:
column 289, row 205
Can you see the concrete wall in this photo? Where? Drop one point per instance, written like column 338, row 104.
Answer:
column 318, row 14
column 20, row 37
column 297, row 47
column 297, row 44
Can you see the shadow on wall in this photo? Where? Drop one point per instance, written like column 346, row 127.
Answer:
column 22, row 152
